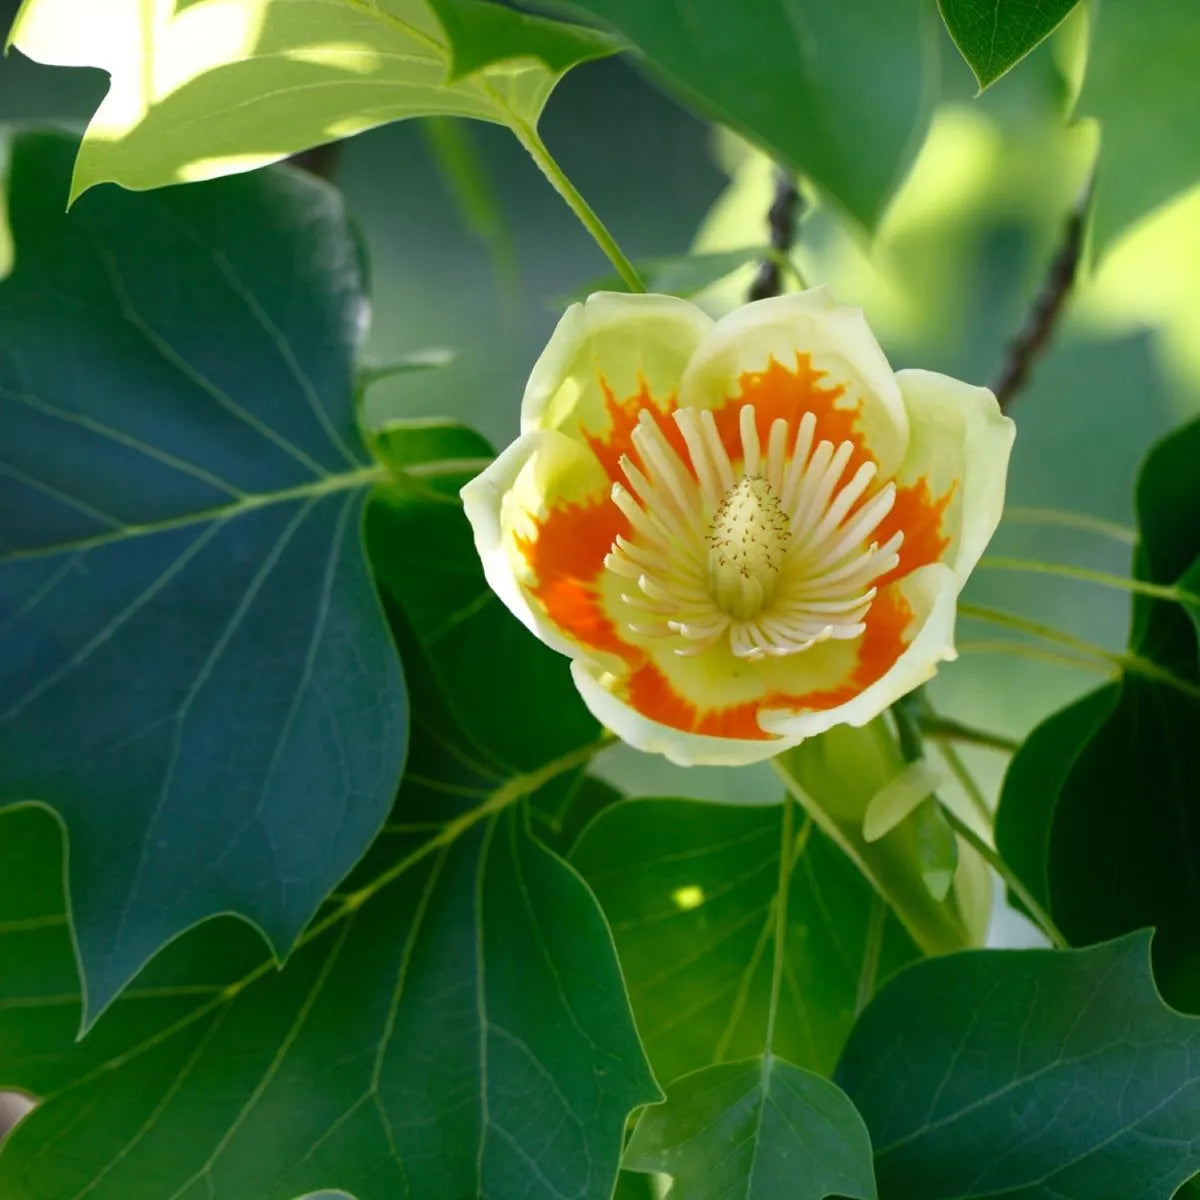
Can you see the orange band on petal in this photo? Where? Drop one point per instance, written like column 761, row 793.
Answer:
column 777, row 392
column 617, row 439
column 881, row 645
column 567, row 558
column 919, row 516
column 651, row 693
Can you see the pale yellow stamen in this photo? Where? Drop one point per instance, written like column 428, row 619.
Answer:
column 771, row 550
column 747, row 542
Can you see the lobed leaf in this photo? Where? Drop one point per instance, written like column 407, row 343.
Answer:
column 1038, row 1074
column 218, row 86
column 690, row 891
column 195, row 673
column 834, row 91
column 994, row 35
column 755, row 1130
column 454, row 1016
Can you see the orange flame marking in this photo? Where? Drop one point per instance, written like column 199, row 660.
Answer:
column 567, row 552
column 777, row 392
column 919, row 515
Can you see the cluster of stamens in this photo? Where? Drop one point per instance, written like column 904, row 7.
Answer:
column 773, row 551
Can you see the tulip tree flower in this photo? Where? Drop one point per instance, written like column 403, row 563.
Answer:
column 742, row 532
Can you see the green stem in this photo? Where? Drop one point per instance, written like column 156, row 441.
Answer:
column 867, row 976
column 1039, row 653
column 989, row 855
column 935, row 927
column 966, row 781
column 786, row 858
column 1120, row 583
column 530, row 139
column 1134, row 664
column 945, row 729
column 1070, row 520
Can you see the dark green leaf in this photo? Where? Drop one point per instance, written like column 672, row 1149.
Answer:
column 428, row 442
column 994, row 35
column 455, row 1016
column 1035, row 778
column 836, row 91
column 468, row 1020
column 1031, row 1074
column 218, row 86
column 425, row 557
column 1142, row 84
column 688, row 888
column 755, row 1130
column 1126, row 835
column 481, row 33
column 195, row 671
column 1168, row 505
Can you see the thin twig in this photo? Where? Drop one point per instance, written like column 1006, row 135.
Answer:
column 782, row 217
column 1038, row 327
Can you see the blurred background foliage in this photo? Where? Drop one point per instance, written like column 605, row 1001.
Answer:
column 470, row 250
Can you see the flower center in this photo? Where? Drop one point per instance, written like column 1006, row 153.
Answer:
column 747, row 541
column 771, row 549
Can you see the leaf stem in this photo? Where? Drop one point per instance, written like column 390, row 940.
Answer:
column 1039, row 653
column 787, row 850
column 988, row 853
column 946, row 729
column 1018, row 515
column 872, row 949
column 1120, row 583
column 966, row 781
column 537, row 150
column 1134, row 664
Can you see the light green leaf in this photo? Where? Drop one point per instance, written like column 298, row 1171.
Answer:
column 689, row 889
column 1142, row 84
column 219, row 86
column 994, row 35
column 837, row 91
column 755, row 1130
column 1039, row 1074
column 194, row 668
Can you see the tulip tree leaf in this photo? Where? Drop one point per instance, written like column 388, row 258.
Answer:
column 482, row 651
column 836, row 91
column 1141, row 84
column 217, row 86
column 1034, row 779
column 689, row 890
column 456, row 1014
column 755, row 1130
column 1040, row 1074
column 194, row 669
column 994, row 35
column 1129, row 800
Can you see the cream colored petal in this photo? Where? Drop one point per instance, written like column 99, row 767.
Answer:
column 959, row 440
column 839, row 343
column 680, row 746
column 614, row 340
column 931, row 593
column 503, row 504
